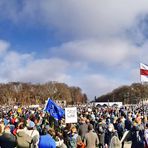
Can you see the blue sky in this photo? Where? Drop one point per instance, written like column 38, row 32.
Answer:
column 94, row 44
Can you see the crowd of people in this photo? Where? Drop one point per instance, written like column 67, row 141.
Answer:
column 97, row 127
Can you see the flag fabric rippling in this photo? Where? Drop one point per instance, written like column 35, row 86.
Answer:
column 144, row 72
column 55, row 111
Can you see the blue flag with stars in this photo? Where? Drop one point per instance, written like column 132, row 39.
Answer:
column 54, row 110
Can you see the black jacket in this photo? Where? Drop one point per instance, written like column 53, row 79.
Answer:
column 7, row 140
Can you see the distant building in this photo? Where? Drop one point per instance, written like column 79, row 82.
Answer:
column 60, row 102
column 119, row 104
column 144, row 101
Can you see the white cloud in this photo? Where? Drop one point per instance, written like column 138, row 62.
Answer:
column 25, row 67
column 82, row 19
column 143, row 56
column 78, row 72
column 85, row 18
column 43, row 70
column 3, row 46
column 109, row 52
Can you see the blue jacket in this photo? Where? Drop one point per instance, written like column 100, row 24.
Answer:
column 46, row 141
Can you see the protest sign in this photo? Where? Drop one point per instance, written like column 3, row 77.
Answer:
column 71, row 115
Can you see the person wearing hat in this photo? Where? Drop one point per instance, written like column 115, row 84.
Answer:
column 32, row 132
column 91, row 139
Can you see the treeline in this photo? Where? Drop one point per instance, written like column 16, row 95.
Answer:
column 28, row 93
column 132, row 94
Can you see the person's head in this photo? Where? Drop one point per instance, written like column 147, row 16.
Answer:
column 111, row 127
column 129, row 117
column 73, row 129
column 7, row 129
column 83, row 120
column 100, row 120
column 145, row 119
column 52, row 132
column 90, row 127
column 30, row 125
column 21, row 125
column 87, row 121
column 138, row 120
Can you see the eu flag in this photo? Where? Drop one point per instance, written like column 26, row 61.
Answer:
column 55, row 111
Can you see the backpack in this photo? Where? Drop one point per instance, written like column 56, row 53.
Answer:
column 23, row 140
column 115, row 142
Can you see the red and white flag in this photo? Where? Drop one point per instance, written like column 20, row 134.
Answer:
column 144, row 72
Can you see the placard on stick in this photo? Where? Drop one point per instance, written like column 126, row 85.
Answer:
column 71, row 115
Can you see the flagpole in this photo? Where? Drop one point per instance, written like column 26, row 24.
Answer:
column 45, row 104
column 140, row 72
column 141, row 94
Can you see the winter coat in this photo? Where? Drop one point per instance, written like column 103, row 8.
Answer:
column 7, row 140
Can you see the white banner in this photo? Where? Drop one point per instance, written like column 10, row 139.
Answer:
column 71, row 115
